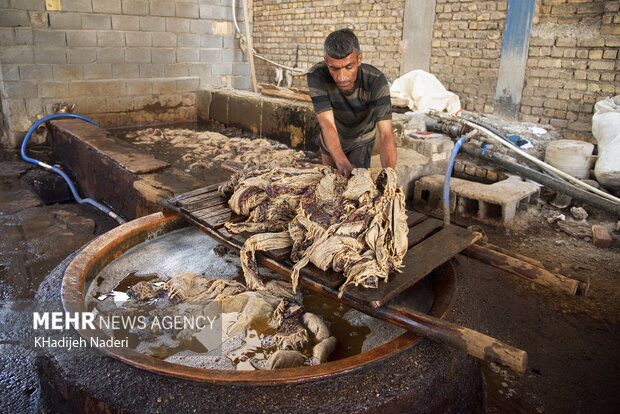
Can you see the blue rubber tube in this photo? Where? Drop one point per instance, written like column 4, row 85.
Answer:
column 58, row 171
column 446, row 182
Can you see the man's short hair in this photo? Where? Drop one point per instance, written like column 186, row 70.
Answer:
column 340, row 44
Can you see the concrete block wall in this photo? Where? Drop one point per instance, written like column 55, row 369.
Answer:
column 121, row 62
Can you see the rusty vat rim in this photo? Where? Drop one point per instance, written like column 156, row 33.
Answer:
column 112, row 244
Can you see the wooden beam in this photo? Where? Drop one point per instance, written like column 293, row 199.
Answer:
column 249, row 45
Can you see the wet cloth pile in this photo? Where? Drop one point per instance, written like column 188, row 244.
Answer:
column 206, row 149
column 357, row 226
column 261, row 329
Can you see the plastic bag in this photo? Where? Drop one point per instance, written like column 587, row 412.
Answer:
column 423, row 91
column 606, row 131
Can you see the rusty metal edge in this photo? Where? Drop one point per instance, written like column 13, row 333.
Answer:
column 104, row 249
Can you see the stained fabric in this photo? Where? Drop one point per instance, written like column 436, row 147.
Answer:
column 357, row 226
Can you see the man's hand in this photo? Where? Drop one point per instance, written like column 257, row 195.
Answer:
column 336, row 157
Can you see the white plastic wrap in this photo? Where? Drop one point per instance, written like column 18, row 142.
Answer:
column 606, row 131
column 423, row 91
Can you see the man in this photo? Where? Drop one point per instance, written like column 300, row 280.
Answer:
column 352, row 101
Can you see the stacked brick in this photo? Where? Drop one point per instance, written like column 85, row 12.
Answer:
column 121, row 62
column 572, row 63
column 292, row 32
column 466, row 47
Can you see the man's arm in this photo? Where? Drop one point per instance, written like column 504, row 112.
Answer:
column 332, row 142
column 388, row 145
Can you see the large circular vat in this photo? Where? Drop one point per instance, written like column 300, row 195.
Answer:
column 407, row 373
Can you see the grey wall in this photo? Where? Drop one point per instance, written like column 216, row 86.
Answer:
column 118, row 61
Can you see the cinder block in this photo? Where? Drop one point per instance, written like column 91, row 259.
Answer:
column 110, row 39
column 152, row 24
column 177, row 70
column 162, row 8
column 23, row 36
column 125, row 71
column 81, row 55
column 176, row 25
column 65, row 20
column 81, row 38
column 53, row 89
column 137, row 55
column 110, row 55
column 212, row 12
column 200, row 69
column 98, row 71
column 35, row 72
column 96, row 22
column 50, row 55
column 211, row 55
column 77, row 5
column 107, row 6
column 224, row 68
column 187, row 55
column 138, row 39
column 187, row 10
column 188, row 40
column 161, row 55
column 164, row 39
column 68, row 72
column 187, row 85
column 164, row 86
column 491, row 203
column 152, row 70
column 125, row 22
column 16, row 55
column 139, row 87
column 14, row 18
column 200, row 26
column 211, row 41
column 135, row 7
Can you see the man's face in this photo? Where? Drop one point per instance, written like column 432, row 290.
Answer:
column 344, row 71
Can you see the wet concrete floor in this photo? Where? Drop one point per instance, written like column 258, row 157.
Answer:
column 573, row 365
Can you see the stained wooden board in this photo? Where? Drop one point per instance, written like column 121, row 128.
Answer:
column 419, row 261
column 200, row 198
column 205, row 204
column 422, row 230
column 196, row 192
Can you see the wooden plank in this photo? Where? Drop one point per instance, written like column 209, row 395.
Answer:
column 422, row 230
column 211, row 211
column 195, row 192
column 210, row 202
column 198, row 198
column 281, row 92
column 413, row 218
column 419, row 261
column 327, row 278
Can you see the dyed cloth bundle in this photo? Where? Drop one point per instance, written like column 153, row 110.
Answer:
column 356, row 226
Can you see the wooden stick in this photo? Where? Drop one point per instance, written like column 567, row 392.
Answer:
column 522, row 269
column 249, row 45
column 472, row 342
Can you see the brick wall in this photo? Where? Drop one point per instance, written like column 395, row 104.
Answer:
column 572, row 60
column 290, row 32
column 466, row 48
column 572, row 63
column 120, row 62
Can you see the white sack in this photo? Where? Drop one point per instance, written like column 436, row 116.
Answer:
column 606, row 131
column 423, row 91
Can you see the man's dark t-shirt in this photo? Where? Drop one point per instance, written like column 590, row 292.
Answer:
column 356, row 114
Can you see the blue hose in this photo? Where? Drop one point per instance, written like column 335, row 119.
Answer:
column 77, row 197
column 446, row 183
